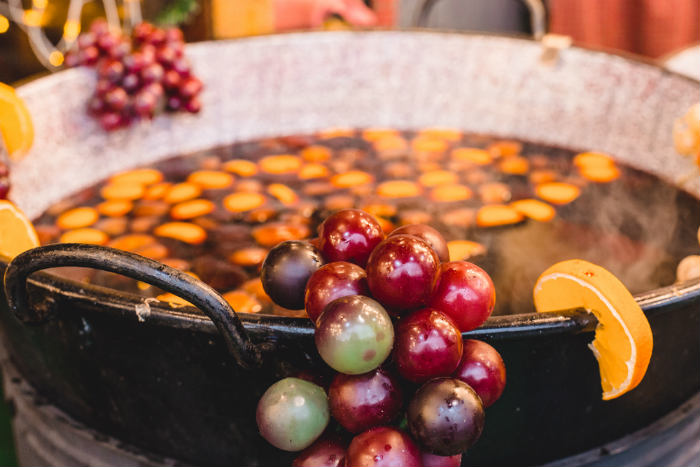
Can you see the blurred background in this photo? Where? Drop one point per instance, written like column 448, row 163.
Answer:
column 652, row 28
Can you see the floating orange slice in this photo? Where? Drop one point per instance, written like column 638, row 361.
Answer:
column 17, row 233
column 623, row 340
column 461, row 250
column 16, row 128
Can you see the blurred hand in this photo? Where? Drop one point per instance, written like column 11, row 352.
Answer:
column 304, row 14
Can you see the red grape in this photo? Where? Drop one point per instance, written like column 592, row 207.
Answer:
column 174, row 35
column 182, row 66
column 383, row 447
column 110, row 120
column 429, row 234
column 145, row 104
column 446, row 416
column 360, row 402
column 193, row 105
column 86, row 40
column 103, row 87
column 134, row 62
column 95, row 106
column 152, row 73
column 428, row 344
column 116, row 99
column 431, row 460
column 106, row 41
column 111, row 70
column 156, row 37
column 171, row 79
column 4, row 187
column 334, row 280
column 401, row 272
column 190, row 87
column 483, row 369
column 99, row 26
column 327, row 451
column 72, row 59
column 119, row 50
column 349, row 235
column 89, row 55
column 165, row 55
column 286, row 270
column 141, row 31
column 465, row 292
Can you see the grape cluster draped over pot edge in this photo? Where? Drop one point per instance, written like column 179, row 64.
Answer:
column 389, row 313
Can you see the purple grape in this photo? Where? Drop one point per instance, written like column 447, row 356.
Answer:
column 445, row 416
column 131, row 82
column 152, row 73
column 285, row 271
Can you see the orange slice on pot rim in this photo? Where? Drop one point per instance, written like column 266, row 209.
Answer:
column 17, row 233
column 623, row 340
column 16, row 128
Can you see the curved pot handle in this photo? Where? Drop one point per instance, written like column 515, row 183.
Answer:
column 136, row 267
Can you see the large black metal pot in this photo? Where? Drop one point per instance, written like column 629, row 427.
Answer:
column 184, row 384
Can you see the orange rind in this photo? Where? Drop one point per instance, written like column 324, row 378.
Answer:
column 17, row 233
column 623, row 339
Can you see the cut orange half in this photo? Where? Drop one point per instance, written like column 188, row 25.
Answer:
column 623, row 340
column 17, row 233
column 16, row 129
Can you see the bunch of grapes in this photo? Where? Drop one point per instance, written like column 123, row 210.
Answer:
column 138, row 76
column 389, row 315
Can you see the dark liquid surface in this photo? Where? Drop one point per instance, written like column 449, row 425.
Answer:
column 636, row 225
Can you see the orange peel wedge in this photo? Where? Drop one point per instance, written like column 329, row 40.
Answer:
column 623, row 339
column 16, row 128
column 17, row 233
